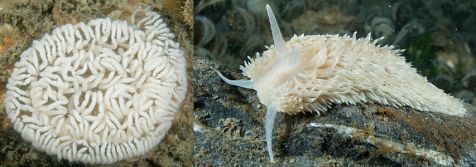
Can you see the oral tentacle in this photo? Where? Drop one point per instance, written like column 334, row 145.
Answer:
column 269, row 125
column 240, row 83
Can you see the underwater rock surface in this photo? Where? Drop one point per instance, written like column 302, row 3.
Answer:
column 229, row 130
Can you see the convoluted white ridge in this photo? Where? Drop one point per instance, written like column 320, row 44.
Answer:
column 98, row 92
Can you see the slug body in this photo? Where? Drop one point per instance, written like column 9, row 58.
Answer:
column 310, row 73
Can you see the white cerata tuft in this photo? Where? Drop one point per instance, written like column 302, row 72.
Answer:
column 98, row 92
column 313, row 72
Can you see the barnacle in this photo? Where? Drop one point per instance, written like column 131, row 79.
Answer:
column 412, row 26
column 252, row 44
column 247, row 19
column 219, row 46
column 205, row 30
column 244, row 23
column 380, row 26
column 205, row 4
column 98, row 92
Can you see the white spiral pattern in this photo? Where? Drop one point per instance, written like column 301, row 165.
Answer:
column 98, row 92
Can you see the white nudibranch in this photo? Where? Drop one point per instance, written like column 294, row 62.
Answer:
column 98, row 92
column 312, row 72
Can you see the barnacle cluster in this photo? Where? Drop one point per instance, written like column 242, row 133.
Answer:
column 222, row 25
column 436, row 47
column 230, row 31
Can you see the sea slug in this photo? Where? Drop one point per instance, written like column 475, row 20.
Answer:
column 312, row 72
